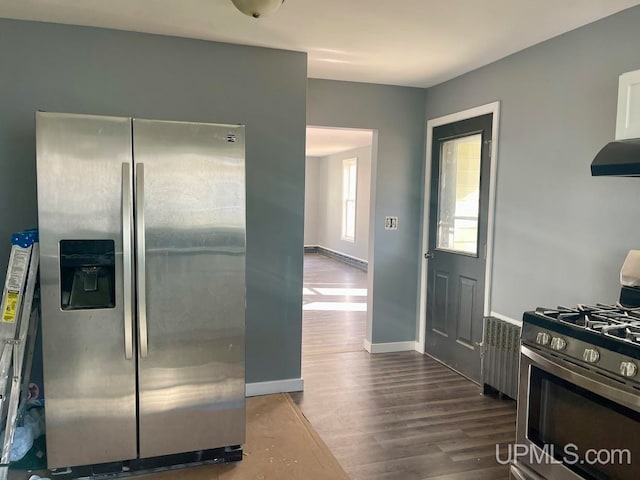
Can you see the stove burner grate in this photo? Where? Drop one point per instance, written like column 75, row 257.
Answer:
column 610, row 320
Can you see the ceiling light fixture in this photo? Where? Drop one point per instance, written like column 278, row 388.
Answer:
column 257, row 8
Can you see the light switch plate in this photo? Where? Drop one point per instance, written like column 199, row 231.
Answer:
column 391, row 223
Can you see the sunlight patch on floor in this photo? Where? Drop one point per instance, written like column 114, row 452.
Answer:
column 347, row 292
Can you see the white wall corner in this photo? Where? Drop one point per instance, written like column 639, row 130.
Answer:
column 277, row 386
column 367, row 345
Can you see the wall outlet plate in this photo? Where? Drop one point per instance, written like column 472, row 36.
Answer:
column 390, row 223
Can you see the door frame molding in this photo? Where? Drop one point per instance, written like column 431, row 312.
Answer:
column 493, row 108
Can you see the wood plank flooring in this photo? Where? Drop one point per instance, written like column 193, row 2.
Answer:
column 397, row 416
column 328, row 282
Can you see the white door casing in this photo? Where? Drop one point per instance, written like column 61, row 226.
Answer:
column 493, row 108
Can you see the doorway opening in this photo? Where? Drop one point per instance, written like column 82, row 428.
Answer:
column 340, row 166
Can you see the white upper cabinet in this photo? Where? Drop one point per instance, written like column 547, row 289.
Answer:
column 628, row 122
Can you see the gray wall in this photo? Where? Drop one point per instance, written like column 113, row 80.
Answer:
column 329, row 213
column 560, row 235
column 311, row 189
column 397, row 114
column 88, row 70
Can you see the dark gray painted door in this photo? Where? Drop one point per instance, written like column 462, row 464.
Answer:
column 458, row 214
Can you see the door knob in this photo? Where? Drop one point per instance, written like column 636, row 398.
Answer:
column 428, row 255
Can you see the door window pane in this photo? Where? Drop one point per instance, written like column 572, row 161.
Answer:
column 459, row 194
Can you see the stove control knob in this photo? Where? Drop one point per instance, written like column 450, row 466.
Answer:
column 628, row 369
column 543, row 338
column 558, row 343
column 591, row 355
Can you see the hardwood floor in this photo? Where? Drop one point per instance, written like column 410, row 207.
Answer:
column 334, row 306
column 390, row 416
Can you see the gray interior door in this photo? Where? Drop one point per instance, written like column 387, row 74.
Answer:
column 460, row 171
column 190, row 254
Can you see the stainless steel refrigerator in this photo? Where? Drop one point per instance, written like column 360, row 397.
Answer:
column 142, row 233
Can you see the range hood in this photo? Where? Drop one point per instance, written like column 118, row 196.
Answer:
column 620, row 158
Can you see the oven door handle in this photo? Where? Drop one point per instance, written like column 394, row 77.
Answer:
column 628, row 399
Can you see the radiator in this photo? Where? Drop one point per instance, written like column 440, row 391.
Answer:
column 501, row 357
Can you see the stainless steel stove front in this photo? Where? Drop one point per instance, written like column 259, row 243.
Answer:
column 574, row 422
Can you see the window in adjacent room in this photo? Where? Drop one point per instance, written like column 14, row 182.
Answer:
column 349, row 184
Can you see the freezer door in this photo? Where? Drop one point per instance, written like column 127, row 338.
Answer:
column 85, row 220
column 190, row 246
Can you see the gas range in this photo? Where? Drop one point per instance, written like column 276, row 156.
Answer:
column 601, row 337
column 579, row 387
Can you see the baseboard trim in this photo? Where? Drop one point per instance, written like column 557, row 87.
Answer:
column 276, row 386
column 341, row 257
column 389, row 347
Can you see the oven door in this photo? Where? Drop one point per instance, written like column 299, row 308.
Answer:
column 575, row 423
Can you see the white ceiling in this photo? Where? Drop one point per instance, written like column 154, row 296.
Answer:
column 327, row 141
column 398, row 42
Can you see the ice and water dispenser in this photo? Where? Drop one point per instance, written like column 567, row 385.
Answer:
column 87, row 274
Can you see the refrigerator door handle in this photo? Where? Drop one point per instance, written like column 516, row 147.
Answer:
column 141, row 261
column 127, row 207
